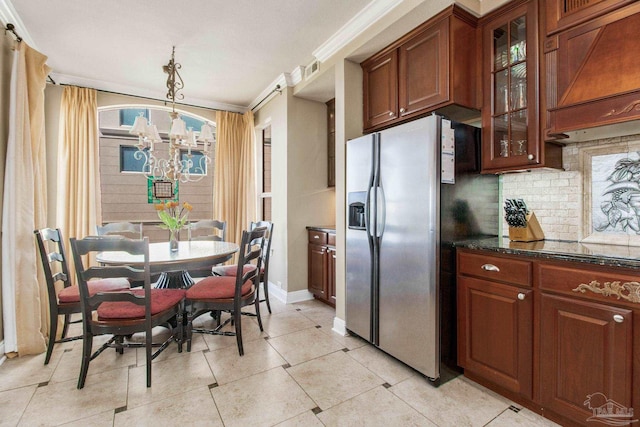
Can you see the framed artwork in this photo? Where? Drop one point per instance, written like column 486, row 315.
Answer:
column 612, row 194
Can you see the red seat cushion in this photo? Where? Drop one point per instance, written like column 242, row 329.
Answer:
column 232, row 270
column 217, row 287
column 161, row 300
column 72, row 293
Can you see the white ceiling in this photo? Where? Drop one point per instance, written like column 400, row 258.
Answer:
column 231, row 51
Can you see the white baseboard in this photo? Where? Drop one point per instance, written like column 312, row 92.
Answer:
column 289, row 297
column 339, row 326
column 2, row 356
column 299, row 296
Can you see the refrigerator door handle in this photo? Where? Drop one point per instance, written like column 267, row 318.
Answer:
column 381, row 211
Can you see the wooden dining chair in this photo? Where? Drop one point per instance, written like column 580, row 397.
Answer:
column 125, row 229
column 126, row 312
column 217, row 230
column 229, row 293
column 230, row 270
column 64, row 299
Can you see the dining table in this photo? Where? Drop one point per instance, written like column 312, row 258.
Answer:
column 173, row 267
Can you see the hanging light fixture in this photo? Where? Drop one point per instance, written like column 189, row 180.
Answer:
column 178, row 166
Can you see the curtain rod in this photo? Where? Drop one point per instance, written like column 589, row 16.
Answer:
column 11, row 28
column 143, row 97
column 275, row 89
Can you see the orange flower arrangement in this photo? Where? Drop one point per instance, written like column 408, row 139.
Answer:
column 173, row 217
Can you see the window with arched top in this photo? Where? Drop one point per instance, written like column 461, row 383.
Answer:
column 125, row 190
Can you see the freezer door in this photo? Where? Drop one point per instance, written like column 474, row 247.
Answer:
column 408, row 317
column 359, row 253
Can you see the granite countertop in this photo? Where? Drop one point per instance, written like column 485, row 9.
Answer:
column 592, row 253
column 324, row 228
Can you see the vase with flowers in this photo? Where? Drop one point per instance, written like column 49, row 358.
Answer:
column 174, row 217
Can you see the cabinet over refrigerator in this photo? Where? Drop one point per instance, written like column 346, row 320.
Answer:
column 412, row 191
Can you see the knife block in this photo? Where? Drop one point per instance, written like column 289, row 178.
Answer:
column 531, row 233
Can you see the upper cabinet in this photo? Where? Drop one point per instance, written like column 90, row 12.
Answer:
column 592, row 69
column 432, row 67
column 510, row 113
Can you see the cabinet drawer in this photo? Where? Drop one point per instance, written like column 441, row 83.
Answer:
column 317, row 237
column 331, row 239
column 495, row 268
column 593, row 283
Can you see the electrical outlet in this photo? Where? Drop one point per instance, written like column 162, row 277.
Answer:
column 279, row 283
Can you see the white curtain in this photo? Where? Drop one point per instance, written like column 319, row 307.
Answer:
column 24, row 293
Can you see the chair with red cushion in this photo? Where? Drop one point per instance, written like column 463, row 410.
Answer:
column 230, row 270
column 65, row 300
column 126, row 312
column 229, row 293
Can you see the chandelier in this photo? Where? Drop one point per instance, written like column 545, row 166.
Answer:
column 179, row 165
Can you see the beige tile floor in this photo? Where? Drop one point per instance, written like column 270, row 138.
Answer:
column 295, row 373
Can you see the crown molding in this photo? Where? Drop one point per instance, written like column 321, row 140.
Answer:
column 8, row 15
column 356, row 25
column 100, row 85
column 284, row 80
column 297, row 75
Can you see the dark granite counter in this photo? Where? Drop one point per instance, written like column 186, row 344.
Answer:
column 322, row 228
column 591, row 253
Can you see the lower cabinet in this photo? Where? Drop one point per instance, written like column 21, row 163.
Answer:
column 497, row 335
column 321, row 266
column 585, row 349
column 560, row 337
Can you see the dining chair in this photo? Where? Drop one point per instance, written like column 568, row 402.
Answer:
column 126, row 229
column 229, row 293
column 126, row 312
column 230, row 270
column 64, row 299
column 217, row 230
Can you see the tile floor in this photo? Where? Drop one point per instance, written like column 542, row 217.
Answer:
column 296, row 373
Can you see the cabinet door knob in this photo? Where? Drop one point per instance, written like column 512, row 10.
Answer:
column 316, row 237
column 531, row 157
column 618, row 318
column 402, row 110
column 490, row 267
column 390, row 113
column 521, row 296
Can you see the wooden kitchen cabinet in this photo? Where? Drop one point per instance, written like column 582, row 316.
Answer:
column 564, row 14
column 433, row 66
column 321, row 266
column 495, row 332
column 549, row 334
column 585, row 348
column 511, row 114
column 592, row 73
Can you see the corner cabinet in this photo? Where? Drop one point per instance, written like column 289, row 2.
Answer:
column 433, row 66
column 511, row 112
column 321, row 265
column 559, row 337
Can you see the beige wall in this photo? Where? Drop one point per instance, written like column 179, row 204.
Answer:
column 309, row 200
column 5, row 79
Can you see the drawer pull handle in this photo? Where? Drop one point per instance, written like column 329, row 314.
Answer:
column 316, row 237
column 490, row 267
column 521, row 296
column 618, row 318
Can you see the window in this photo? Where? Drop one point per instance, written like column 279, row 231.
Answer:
column 199, row 167
column 128, row 115
column 124, row 187
column 130, row 161
column 265, row 194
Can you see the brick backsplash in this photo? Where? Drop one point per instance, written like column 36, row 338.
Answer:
column 556, row 197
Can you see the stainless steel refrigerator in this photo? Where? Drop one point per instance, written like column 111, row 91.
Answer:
column 412, row 192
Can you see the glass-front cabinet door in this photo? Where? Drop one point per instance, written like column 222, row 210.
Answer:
column 510, row 110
